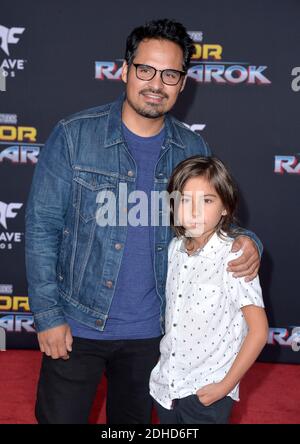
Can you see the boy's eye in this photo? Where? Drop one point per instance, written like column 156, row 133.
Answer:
column 207, row 200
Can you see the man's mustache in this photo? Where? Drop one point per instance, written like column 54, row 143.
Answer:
column 158, row 92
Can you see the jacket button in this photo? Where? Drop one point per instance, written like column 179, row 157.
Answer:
column 109, row 284
column 118, row 246
column 130, row 173
column 99, row 323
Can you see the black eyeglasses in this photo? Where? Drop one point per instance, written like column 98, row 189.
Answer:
column 168, row 76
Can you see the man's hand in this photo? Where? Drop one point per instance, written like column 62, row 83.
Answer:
column 56, row 342
column 248, row 263
column 211, row 393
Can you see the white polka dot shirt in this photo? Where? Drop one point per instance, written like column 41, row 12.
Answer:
column 205, row 327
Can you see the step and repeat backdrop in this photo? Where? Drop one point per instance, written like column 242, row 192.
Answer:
column 242, row 95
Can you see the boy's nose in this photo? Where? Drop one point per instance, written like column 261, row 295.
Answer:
column 197, row 209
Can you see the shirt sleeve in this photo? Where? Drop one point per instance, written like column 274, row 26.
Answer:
column 242, row 293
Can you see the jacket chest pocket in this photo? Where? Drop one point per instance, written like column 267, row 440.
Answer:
column 94, row 191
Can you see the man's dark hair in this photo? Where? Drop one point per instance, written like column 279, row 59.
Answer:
column 160, row 29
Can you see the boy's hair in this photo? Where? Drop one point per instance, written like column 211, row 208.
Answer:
column 216, row 173
column 160, row 29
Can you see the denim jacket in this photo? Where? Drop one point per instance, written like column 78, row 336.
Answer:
column 73, row 263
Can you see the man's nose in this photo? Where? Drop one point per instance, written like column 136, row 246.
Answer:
column 157, row 82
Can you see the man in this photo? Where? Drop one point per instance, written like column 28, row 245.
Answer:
column 97, row 292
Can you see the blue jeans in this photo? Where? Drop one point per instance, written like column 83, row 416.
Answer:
column 190, row 410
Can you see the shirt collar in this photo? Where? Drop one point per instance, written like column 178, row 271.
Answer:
column 210, row 249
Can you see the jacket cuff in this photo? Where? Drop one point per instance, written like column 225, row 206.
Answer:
column 49, row 319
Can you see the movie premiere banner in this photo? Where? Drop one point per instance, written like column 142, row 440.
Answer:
column 242, row 96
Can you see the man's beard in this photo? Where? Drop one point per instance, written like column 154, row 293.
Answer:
column 151, row 110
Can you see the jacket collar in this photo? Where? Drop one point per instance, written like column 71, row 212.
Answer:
column 114, row 134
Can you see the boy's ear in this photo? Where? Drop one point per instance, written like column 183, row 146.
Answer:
column 124, row 73
column 224, row 213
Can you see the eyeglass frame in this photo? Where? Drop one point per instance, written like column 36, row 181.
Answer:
column 182, row 73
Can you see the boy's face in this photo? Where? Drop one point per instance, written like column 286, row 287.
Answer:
column 153, row 98
column 200, row 208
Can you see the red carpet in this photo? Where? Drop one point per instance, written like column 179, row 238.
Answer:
column 270, row 393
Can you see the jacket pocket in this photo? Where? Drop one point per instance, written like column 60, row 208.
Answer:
column 93, row 190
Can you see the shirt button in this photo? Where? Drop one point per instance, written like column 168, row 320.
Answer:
column 180, row 295
column 130, row 173
column 174, row 325
column 118, row 246
column 173, row 354
column 109, row 284
column 99, row 323
column 172, row 385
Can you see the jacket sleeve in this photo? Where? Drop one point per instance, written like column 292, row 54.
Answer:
column 44, row 222
column 244, row 232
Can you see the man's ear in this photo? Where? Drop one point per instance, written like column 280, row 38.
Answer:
column 183, row 83
column 124, row 73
